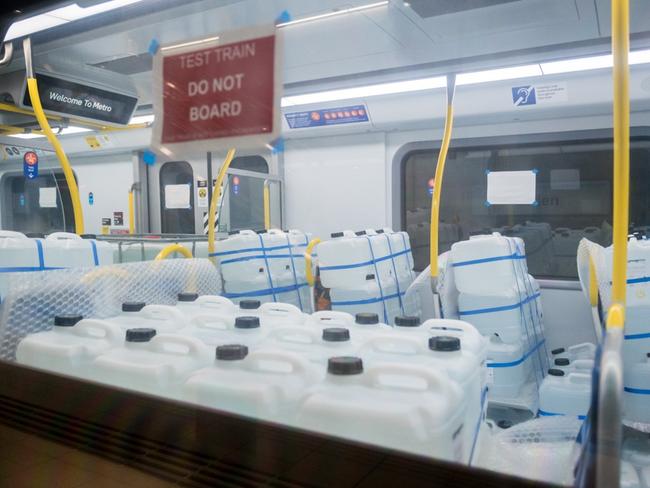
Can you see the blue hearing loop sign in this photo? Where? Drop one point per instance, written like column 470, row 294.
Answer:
column 524, row 95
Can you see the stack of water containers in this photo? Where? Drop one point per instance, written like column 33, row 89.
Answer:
column 413, row 387
column 266, row 265
column 499, row 297
column 369, row 271
column 636, row 347
column 21, row 254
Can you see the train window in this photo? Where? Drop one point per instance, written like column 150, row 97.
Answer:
column 257, row 164
column 573, row 190
column 177, row 198
column 41, row 205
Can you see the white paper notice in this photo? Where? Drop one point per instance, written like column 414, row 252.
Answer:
column 511, row 187
column 177, row 196
column 47, row 197
column 565, row 179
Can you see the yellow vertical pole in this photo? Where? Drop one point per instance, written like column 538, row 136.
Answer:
column 620, row 49
column 131, row 213
column 216, row 196
column 437, row 181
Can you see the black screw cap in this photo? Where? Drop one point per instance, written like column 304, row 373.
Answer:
column 407, row 321
column 132, row 306
column 562, row 362
column 444, row 343
column 334, row 235
column 336, row 334
column 559, row 350
column 249, row 304
column 187, row 297
column 141, row 334
column 345, row 365
column 365, row 318
column 66, row 320
column 555, row 372
column 247, row 322
column 231, row 352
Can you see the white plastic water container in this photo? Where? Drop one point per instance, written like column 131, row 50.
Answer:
column 18, row 253
column 638, row 273
column 487, row 264
column 440, row 353
column 240, row 256
column 314, row 344
column 281, row 315
column 470, row 338
column 503, row 315
column 265, row 384
column 585, row 366
column 151, row 363
column 404, row 407
column 371, row 297
column 70, row 346
column 162, row 318
column 565, row 393
column 507, row 372
column 216, row 330
column 191, row 305
column 67, row 250
column 636, row 395
column 345, row 260
column 330, row 318
column 366, row 325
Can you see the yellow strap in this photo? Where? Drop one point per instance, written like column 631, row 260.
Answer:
column 216, row 196
column 34, row 97
column 172, row 248
column 131, row 213
column 621, row 72
column 309, row 273
column 437, row 190
column 267, row 205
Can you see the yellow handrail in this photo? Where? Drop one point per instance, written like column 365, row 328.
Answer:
column 308, row 261
column 267, row 205
column 34, row 97
column 593, row 283
column 11, row 129
column 440, row 170
column 621, row 73
column 172, row 248
column 131, row 213
column 216, row 195
column 7, row 107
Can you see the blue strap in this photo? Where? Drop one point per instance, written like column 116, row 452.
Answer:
column 265, row 292
column 392, row 260
column 268, row 269
column 632, row 337
column 364, row 263
column 253, row 258
column 478, row 425
column 543, row 413
column 367, row 301
column 293, row 270
column 636, row 391
column 41, row 257
column 499, row 309
column 253, row 249
column 514, row 255
column 93, row 245
column 378, row 279
column 643, row 279
column 512, row 364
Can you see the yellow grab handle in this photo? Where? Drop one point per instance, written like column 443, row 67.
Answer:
column 616, row 316
column 267, row 205
column 216, row 195
column 621, row 74
column 308, row 261
column 437, row 180
column 34, row 97
column 593, row 283
column 172, row 248
column 131, row 213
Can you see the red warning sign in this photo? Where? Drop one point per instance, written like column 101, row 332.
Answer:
column 224, row 89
